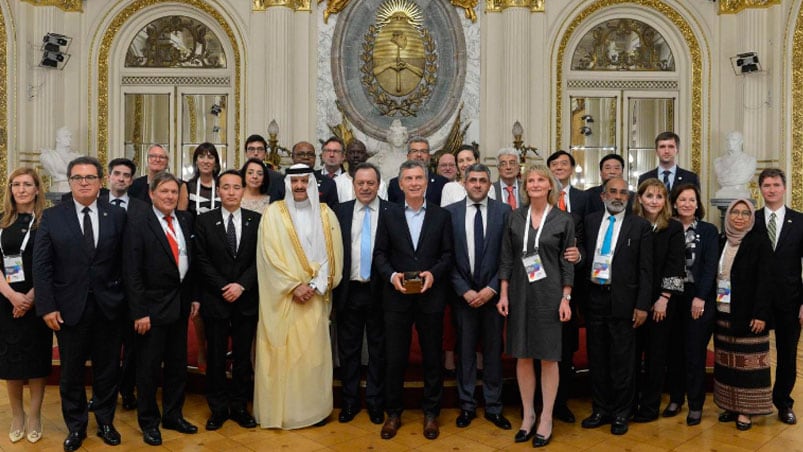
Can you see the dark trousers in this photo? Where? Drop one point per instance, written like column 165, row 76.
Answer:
column 128, row 369
column 221, row 396
column 652, row 344
column 569, row 343
column 162, row 345
column 688, row 349
column 475, row 324
column 398, row 332
column 363, row 314
column 611, row 351
column 97, row 338
column 787, row 335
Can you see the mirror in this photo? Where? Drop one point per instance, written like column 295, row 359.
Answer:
column 593, row 135
column 147, row 121
column 648, row 118
column 203, row 119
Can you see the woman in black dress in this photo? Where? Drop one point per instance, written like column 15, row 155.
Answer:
column 25, row 341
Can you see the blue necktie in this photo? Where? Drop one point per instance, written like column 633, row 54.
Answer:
column 479, row 243
column 666, row 179
column 606, row 243
column 365, row 245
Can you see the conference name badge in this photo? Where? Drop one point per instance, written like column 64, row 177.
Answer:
column 533, row 267
column 723, row 291
column 13, row 268
column 601, row 268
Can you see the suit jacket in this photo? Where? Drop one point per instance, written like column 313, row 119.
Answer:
column 578, row 201
column 327, row 190
column 595, row 204
column 787, row 287
column 139, row 189
column 501, row 195
column 104, row 195
column 462, row 276
column 137, row 207
column 632, row 266
column 345, row 215
column 217, row 266
column 394, row 252
column 152, row 279
column 434, row 189
column 706, row 262
column 751, row 278
column 275, row 185
column 65, row 272
column 682, row 176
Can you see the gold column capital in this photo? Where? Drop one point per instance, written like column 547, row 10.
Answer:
column 295, row 5
column 496, row 6
column 734, row 6
column 71, row 6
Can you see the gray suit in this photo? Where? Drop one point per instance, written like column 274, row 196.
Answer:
column 483, row 322
column 501, row 195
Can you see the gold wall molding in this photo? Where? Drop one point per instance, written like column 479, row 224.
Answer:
column 496, row 6
column 734, row 6
column 796, row 181
column 696, row 59
column 295, row 5
column 4, row 85
column 71, row 6
column 109, row 35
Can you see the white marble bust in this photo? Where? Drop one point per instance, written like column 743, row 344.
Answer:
column 394, row 153
column 55, row 161
column 734, row 169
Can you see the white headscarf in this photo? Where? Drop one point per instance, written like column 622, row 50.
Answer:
column 306, row 216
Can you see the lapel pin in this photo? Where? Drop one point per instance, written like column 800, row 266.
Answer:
column 217, row 224
column 105, row 214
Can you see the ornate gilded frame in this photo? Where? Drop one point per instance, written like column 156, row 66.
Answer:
column 696, row 65
column 734, row 6
column 796, row 181
column 109, row 36
column 4, row 86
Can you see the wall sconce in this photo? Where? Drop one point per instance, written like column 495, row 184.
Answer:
column 215, row 110
column 273, row 145
column 585, row 130
column 745, row 63
column 587, row 118
column 518, row 144
column 54, row 51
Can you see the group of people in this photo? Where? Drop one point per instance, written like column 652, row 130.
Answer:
column 266, row 261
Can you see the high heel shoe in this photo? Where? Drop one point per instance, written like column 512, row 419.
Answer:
column 17, row 435
column 34, row 435
column 743, row 426
column 540, row 441
column 522, row 436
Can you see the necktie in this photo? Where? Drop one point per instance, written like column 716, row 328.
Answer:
column 89, row 233
column 666, row 179
column 562, row 201
column 365, row 245
column 331, row 175
column 511, row 198
column 170, row 237
column 479, row 243
column 117, row 202
column 606, row 243
column 231, row 235
column 771, row 229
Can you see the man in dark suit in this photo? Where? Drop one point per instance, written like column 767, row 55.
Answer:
column 507, row 187
column 257, row 148
column 358, row 298
column 418, row 150
column 619, row 259
column 478, row 223
column 784, row 227
column 79, row 294
column 414, row 250
column 158, row 280
column 158, row 158
column 332, row 157
column 610, row 166
column 226, row 241
column 667, row 145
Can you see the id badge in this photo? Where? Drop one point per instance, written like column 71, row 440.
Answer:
column 601, row 268
column 723, row 291
column 532, row 265
column 13, row 267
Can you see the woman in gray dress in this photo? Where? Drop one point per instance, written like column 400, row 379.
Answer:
column 535, row 293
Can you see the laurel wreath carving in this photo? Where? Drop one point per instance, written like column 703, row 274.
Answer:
column 390, row 105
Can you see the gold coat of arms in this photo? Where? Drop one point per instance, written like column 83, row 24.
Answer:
column 399, row 59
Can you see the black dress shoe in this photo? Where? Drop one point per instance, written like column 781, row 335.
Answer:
column 322, row 422
column 216, row 420
column 152, row 437
column 498, row 420
column 465, row 418
column 391, row 426
column 728, row 416
column 563, row 413
column 522, row 436
column 377, row 416
column 129, row 402
column 540, row 441
column 672, row 409
column 109, row 434
column 74, row 441
column 243, row 418
column 180, row 425
column 347, row 414
column 595, row 420
column 619, row 426
column 694, row 417
column 644, row 418
column 787, row 416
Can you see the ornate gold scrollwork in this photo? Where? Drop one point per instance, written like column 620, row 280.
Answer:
column 71, row 6
column 4, row 83
column 399, row 59
column 496, row 6
column 468, row 6
column 176, row 41
column 295, row 5
column 797, row 114
column 734, row 6
column 623, row 45
column 333, row 7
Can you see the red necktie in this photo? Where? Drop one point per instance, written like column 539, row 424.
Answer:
column 511, row 198
column 562, row 201
column 170, row 237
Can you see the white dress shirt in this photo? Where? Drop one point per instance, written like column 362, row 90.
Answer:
column 125, row 200
column 603, row 228
column 183, row 258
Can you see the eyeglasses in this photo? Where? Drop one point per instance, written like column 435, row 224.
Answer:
column 156, row 157
column 447, row 165
column 419, row 151
column 91, row 178
column 304, row 154
column 254, row 149
column 22, row 184
column 336, row 151
column 509, row 163
column 741, row 213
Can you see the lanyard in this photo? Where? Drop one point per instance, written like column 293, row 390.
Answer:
column 722, row 257
column 24, row 239
column 537, row 234
column 198, row 195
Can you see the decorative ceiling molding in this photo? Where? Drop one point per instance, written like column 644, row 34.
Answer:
column 71, row 6
column 734, row 6
column 295, row 5
column 496, row 6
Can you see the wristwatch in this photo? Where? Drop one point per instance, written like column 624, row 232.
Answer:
column 567, row 296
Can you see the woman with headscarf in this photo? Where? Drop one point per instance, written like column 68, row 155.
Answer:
column 742, row 384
